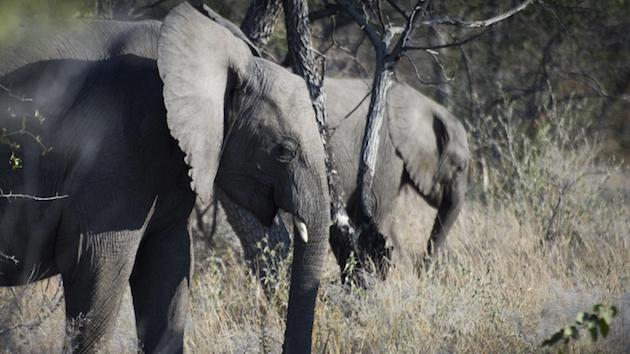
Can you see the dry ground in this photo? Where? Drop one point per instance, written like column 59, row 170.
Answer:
column 501, row 288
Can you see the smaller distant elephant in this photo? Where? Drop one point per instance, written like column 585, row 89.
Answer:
column 422, row 145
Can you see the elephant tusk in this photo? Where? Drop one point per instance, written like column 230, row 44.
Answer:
column 300, row 228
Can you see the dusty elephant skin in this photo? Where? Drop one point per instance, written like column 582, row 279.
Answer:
column 131, row 111
column 422, row 145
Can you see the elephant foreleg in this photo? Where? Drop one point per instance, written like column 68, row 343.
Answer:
column 159, row 286
column 94, row 283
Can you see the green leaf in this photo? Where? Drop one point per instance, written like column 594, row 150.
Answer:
column 15, row 162
column 580, row 317
column 593, row 332
column 568, row 331
column 608, row 314
column 604, row 328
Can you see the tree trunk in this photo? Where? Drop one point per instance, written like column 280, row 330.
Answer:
column 257, row 240
column 260, row 20
column 371, row 138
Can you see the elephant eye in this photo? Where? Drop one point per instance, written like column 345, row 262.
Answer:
column 286, row 150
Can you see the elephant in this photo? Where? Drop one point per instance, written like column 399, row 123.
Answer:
column 422, row 145
column 119, row 127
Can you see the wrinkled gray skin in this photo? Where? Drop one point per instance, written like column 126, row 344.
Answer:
column 422, row 145
column 238, row 120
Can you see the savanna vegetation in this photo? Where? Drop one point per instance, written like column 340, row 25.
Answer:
column 545, row 231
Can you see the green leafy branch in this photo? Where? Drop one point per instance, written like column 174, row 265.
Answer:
column 596, row 323
column 8, row 137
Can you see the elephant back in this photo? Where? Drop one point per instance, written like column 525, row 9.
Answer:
column 93, row 40
column 348, row 99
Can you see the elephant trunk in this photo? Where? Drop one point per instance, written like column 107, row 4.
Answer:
column 308, row 260
column 448, row 210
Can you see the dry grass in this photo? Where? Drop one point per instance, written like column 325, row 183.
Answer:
column 499, row 289
column 552, row 239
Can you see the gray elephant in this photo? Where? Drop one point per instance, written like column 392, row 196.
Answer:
column 131, row 111
column 422, row 145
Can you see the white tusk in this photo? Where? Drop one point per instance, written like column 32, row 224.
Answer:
column 300, row 228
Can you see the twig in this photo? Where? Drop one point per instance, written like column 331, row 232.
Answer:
column 457, row 22
column 8, row 258
column 12, row 195
column 397, row 8
column 8, row 91
column 448, row 45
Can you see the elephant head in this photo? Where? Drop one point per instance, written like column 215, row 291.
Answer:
column 248, row 124
column 434, row 148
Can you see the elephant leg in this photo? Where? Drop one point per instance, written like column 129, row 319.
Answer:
column 159, row 285
column 94, row 282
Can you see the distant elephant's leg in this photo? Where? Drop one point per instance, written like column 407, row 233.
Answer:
column 447, row 213
column 159, row 286
column 94, row 282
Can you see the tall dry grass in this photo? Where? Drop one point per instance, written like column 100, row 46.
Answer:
column 549, row 237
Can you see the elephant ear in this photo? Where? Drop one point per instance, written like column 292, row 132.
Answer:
column 232, row 28
column 418, row 133
column 198, row 61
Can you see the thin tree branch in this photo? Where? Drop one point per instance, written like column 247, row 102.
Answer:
column 457, row 22
column 448, row 45
column 398, row 8
column 361, row 20
column 12, row 195
column 20, row 98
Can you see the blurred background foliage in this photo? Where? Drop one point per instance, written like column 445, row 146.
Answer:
column 554, row 53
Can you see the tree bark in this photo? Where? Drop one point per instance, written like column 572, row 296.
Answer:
column 260, row 20
column 257, row 240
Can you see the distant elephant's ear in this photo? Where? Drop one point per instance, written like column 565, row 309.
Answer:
column 418, row 133
column 198, row 59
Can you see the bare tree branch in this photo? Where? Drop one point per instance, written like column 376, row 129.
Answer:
column 12, row 195
column 448, row 45
column 452, row 21
column 12, row 95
